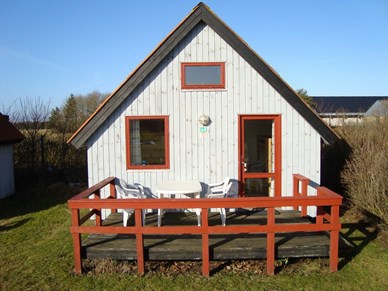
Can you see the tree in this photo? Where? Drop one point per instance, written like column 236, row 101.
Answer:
column 88, row 104
column 66, row 120
column 302, row 93
column 31, row 115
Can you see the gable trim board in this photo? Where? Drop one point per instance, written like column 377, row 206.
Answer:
column 201, row 13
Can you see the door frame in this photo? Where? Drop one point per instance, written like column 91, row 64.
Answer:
column 277, row 174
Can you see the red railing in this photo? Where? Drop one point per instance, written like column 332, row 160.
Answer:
column 325, row 221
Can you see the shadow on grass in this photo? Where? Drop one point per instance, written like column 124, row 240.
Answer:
column 36, row 198
column 358, row 236
column 13, row 225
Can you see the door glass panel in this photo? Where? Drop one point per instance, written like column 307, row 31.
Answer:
column 259, row 187
column 258, row 146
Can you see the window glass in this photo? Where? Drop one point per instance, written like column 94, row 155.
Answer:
column 148, row 144
column 203, row 75
column 259, row 187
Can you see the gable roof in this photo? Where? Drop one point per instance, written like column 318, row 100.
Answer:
column 379, row 108
column 8, row 132
column 201, row 13
column 328, row 105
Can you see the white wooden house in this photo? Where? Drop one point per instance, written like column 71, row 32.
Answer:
column 9, row 135
column 154, row 126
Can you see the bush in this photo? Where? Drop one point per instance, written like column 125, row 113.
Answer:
column 365, row 172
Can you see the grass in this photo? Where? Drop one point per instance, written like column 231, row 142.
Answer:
column 36, row 254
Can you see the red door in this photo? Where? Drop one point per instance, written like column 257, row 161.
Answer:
column 260, row 155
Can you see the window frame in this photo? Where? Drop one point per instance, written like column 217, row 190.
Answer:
column 221, row 85
column 166, row 165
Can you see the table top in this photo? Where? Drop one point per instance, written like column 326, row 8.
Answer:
column 179, row 187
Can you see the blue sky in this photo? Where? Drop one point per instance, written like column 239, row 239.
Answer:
column 50, row 49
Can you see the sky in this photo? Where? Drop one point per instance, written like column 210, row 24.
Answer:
column 50, row 49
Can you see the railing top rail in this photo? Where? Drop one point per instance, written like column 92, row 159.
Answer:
column 324, row 197
column 262, row 202
column 86, row 193
column 300, row 177
column 321, row 190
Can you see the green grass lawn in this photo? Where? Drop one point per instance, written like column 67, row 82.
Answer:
column 36, row 254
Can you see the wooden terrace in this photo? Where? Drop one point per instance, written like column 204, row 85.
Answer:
column 258, row 229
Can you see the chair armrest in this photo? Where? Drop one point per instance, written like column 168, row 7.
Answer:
column 214, row 195
column 217, row 189
column 130, row 189
column 216, row 184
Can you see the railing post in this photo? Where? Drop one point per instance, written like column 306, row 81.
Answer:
column 112, row 192
column 334, row 237
column 75, row 220
column 139, row 242
column 295, row 189
column 205, row 243
column 97, row 195
column 270, row 241
column 320, row 210
column 304, row 195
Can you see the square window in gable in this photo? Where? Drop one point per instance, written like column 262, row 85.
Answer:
column 203, row 75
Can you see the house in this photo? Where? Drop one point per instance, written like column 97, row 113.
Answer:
column 341, row 110
column 9, row 135
column 203, row 106
column 379, row 108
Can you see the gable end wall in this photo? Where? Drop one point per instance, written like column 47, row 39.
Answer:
column 210, row 158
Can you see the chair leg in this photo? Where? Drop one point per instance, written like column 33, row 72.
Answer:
column 143, row 212
column 160, row 213
column 125, row 217
column 223, row 216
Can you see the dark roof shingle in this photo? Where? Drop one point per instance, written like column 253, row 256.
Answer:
column 344, row 104
column 8, row 132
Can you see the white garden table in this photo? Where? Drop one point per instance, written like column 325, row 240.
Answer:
column 169, row 189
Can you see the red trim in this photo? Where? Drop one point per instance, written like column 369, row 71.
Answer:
column 221, row 85
column 167, row 143
column 277, row 174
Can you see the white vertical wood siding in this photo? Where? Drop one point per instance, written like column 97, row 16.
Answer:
column 210, row 158
column 7, row 183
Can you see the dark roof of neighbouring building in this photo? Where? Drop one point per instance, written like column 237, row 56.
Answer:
column 200, row 14
column 8, row 132
column 345, row 104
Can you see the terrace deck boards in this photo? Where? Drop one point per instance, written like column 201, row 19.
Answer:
column 222, row 247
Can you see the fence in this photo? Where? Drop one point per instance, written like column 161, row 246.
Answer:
column 325, row 220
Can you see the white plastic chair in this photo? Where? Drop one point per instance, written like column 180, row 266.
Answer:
column 125, row 191
column 218, row 187
column 223, row 193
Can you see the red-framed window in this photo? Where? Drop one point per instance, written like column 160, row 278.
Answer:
column 210, row 75
column 147, row 142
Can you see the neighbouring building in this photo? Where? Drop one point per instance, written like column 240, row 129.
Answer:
column 9, row 135
column 342, row 110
